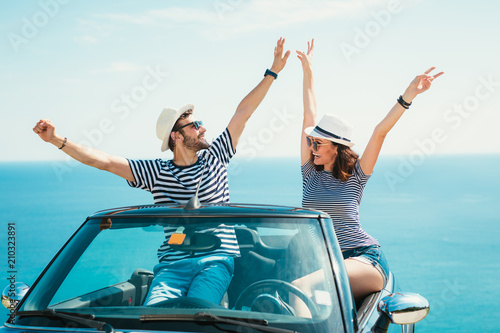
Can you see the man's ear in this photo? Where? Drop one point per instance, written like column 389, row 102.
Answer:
column 176, row 136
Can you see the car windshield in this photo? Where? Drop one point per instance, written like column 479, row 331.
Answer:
column 282, row 276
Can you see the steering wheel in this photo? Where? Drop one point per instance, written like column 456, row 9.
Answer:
column 186, row 303
column 263, row 287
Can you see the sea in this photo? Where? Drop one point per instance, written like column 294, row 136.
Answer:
column 436, row 217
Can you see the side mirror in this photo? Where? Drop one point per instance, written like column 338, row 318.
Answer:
column 401, row 309
column 13, row 294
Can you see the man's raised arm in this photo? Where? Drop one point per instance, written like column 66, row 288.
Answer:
column 248, row 105
column 86, row 155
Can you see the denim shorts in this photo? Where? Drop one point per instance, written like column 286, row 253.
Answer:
column 371, row 254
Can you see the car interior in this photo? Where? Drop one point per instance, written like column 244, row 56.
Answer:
column 276, row 260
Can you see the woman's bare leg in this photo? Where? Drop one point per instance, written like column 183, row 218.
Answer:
column 364, row 278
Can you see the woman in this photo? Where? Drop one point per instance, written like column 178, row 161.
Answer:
column 334, row 177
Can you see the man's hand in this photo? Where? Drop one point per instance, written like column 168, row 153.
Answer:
column 279, row 60
column 45, row 130
column 251, row 101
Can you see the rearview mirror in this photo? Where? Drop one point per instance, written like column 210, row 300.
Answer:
column 198, row 242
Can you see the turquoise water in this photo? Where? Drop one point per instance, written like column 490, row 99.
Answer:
column 436, row 219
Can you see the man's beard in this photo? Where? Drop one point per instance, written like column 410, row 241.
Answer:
column 195, row 144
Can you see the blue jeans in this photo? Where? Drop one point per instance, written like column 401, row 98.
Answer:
column 371, row 254
column 207, row 278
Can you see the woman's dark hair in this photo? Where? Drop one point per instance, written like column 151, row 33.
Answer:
column 344, row 162
column 171, row 143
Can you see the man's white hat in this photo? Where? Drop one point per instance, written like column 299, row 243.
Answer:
column 333, row 128
column 166, row 122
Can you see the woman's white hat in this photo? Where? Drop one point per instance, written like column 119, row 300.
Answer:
column 166, row 122
column 333, row 128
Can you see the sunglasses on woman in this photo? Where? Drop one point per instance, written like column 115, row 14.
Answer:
column 196, row 124
column 314, row 144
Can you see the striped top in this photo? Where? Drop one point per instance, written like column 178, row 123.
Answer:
column 173, row 184
column 340, row 200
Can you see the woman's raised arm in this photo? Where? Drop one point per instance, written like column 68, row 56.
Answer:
column 309, row 99
column 420, row 84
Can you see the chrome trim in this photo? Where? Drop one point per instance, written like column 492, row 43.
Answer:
column 408, row 328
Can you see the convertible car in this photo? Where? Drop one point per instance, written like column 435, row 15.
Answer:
column 289, row 276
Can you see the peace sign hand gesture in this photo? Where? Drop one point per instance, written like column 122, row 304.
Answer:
column 420, row 84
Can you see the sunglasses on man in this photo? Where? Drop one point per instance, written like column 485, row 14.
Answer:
column 196, row 124
column 314, row 144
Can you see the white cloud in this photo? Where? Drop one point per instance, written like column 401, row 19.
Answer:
column 89, row 39
column 141, row 19
column 102, row 29
column 185, row 15
column 71, row 80
column 115, row 67
column 227, row 18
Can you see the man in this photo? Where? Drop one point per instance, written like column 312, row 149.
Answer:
column 205, row 275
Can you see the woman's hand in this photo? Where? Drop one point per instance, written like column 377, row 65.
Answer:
column 420, row 84
column 306, row 58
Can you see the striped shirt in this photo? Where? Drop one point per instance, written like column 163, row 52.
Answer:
column 340, row 200
column 173, row 184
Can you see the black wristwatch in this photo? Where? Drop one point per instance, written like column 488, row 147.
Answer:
column 273, row 74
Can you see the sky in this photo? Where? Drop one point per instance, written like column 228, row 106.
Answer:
column 102, row 71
